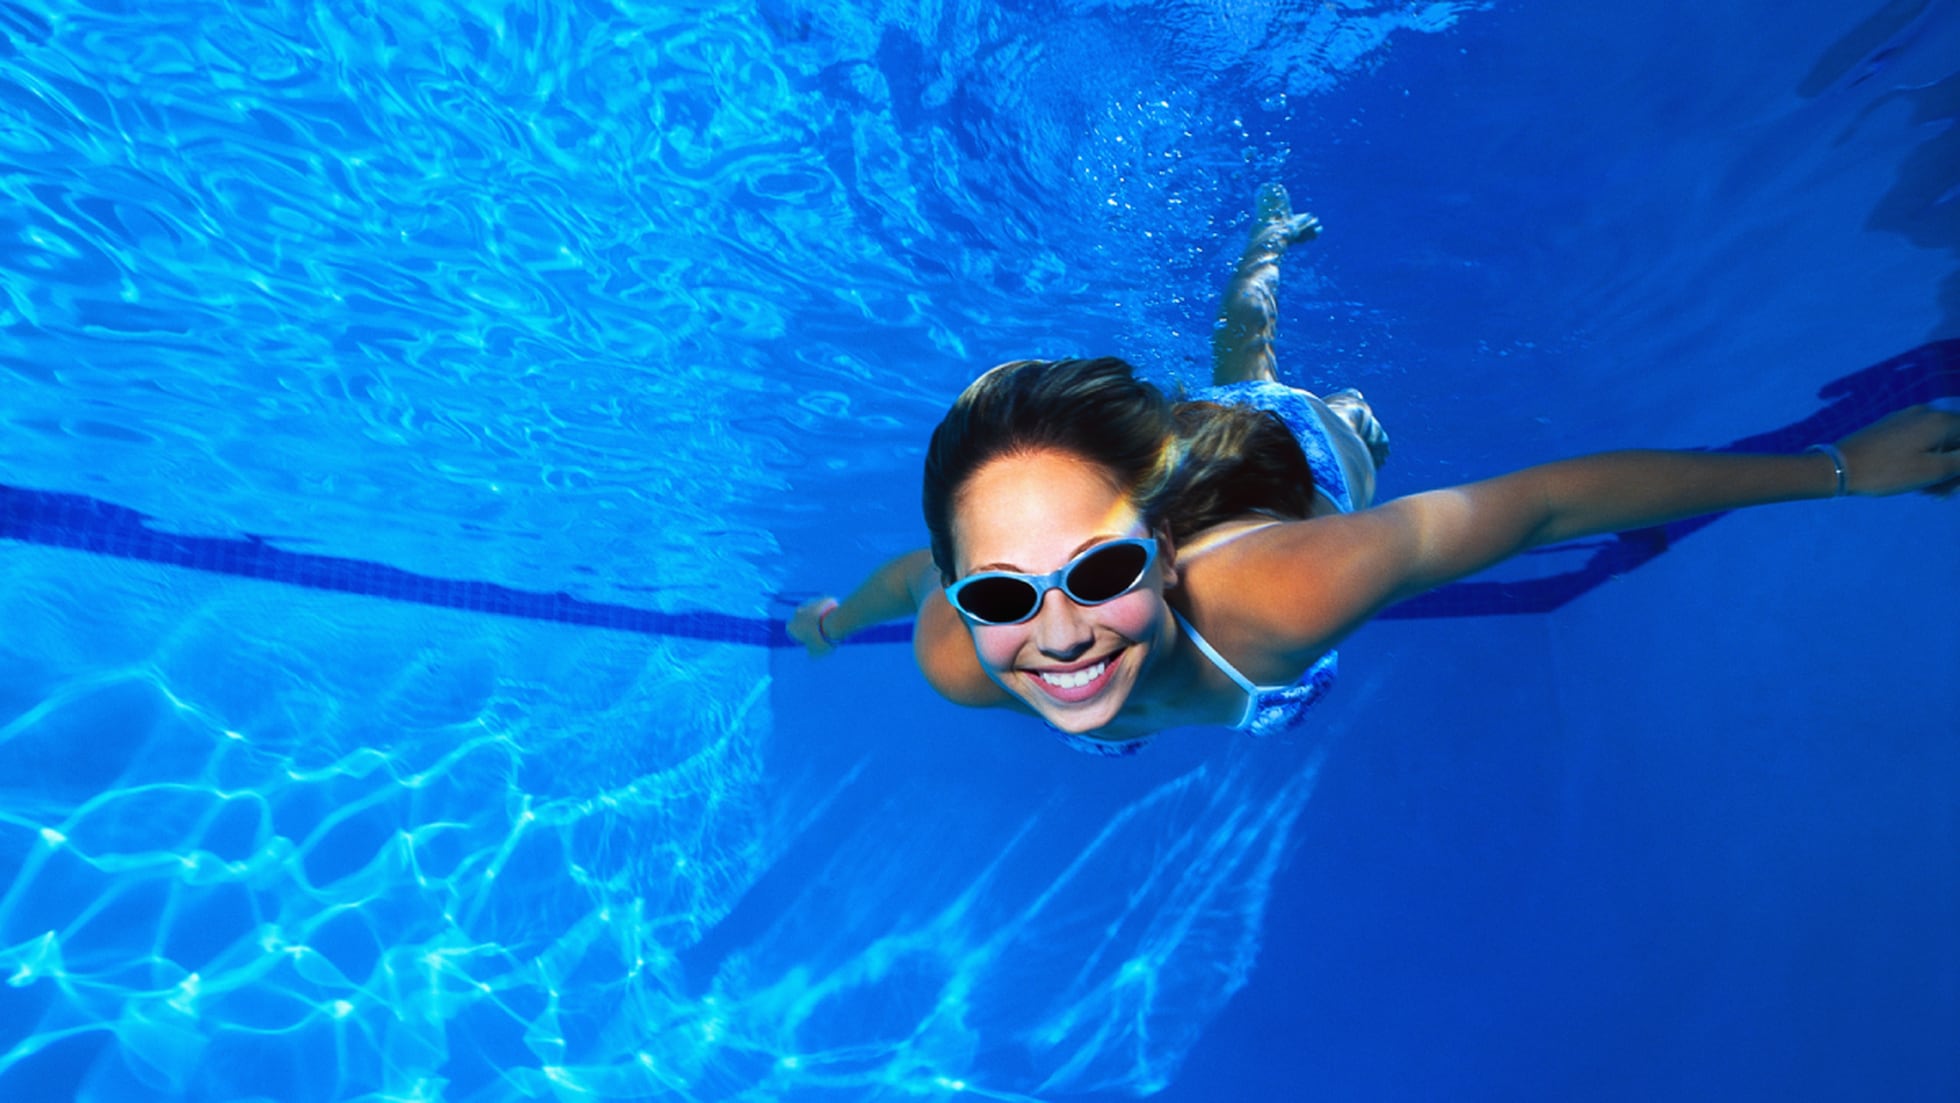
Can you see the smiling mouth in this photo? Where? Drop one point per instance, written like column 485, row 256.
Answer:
column 1078, row 685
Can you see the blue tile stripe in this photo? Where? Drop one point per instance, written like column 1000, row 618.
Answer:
column 103, row 528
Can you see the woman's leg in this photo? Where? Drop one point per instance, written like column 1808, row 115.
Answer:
column 1242, row 341
column 1360, row 444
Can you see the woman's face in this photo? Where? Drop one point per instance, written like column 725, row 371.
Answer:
column 1031, row 513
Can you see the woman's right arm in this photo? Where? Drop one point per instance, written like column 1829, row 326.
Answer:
column 906, row 586
column 897, row 589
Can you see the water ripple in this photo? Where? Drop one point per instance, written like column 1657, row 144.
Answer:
column 566, row 296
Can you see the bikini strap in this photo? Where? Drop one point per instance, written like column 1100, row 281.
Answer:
column 1230, row 671
column 1211, row 653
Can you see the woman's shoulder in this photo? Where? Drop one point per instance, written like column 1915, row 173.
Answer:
column 1252, row 589
column 944, row 651
column 1204, row 545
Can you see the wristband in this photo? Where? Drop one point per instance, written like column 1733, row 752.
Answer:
column 829, row 608
column 1830, row 452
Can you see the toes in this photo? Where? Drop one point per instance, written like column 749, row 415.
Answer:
column 1273, row 205
column 1276, row 221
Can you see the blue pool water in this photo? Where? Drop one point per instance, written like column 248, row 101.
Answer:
column 416, row 419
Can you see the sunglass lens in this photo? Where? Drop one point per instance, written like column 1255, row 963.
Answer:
column 1105, row 574
column 997, row 600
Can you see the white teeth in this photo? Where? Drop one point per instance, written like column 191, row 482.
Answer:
column 1077, row 679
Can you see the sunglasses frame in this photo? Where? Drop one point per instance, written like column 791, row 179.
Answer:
column 1056, row 579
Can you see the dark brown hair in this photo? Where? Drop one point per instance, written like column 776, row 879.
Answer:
column 1187, row 466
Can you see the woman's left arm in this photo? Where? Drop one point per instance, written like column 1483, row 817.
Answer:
column 1915, row 449
column 1366, row 561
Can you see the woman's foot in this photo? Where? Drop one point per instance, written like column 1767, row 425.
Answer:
column 1275, row 225
column 1354, row 409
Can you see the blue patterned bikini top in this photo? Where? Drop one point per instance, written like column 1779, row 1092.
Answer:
column 1268, row 709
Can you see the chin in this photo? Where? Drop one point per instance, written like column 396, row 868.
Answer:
column 1077, row 721
column 1075, row 725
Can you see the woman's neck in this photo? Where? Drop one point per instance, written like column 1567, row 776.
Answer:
column 1181, row 688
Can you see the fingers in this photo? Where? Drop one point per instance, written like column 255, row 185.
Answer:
column 1950, row 439
column 1948, row 454
column 1917, row 448
column 1938, row 432
column 806, row 626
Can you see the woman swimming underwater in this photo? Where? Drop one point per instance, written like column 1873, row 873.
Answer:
column 1117, row 564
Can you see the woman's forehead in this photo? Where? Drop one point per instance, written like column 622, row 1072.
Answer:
column 1035, row 510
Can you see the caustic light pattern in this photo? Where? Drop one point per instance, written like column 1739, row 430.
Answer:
column 253, row 862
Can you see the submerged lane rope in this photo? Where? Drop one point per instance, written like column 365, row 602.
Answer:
column 88, row 524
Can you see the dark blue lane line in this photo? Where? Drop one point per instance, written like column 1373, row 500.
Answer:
column 104, row 528
column 1929, row 372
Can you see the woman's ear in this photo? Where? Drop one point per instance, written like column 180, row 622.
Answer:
column 1166, row 555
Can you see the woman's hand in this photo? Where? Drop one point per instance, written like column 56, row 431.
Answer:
column 894, row 590
column 1915, row 449
column 806, row 626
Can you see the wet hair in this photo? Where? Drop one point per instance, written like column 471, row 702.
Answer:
column 1186, row 465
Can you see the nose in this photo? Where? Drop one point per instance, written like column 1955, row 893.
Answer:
column 1060, row 629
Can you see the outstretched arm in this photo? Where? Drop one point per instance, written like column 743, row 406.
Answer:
column 1363, row 562
column 896, row 589
column 908, row 584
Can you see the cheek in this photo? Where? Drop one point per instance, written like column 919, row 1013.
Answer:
column 998, row 647
column 1135, row 616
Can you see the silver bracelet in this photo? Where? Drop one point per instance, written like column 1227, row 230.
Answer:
column 1836, row 457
